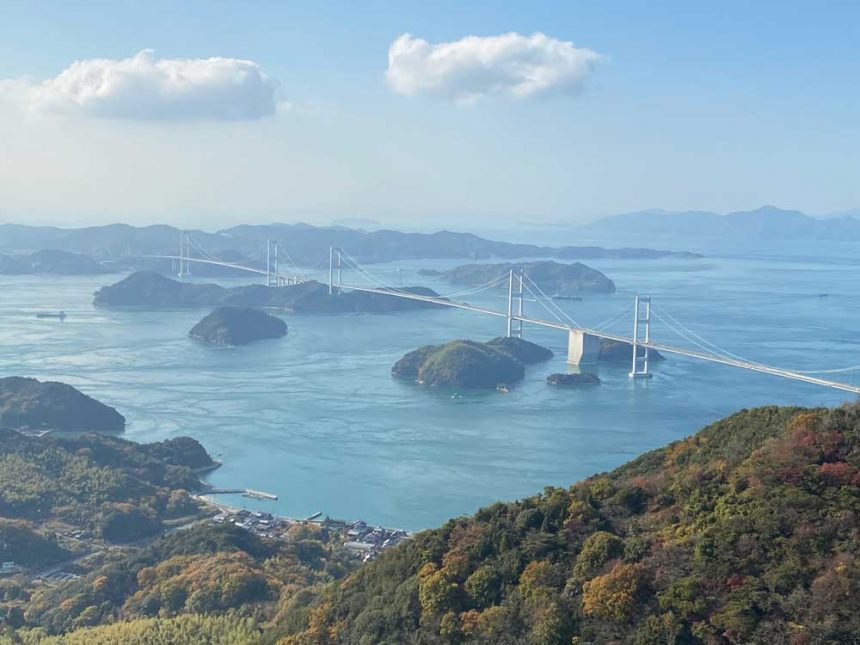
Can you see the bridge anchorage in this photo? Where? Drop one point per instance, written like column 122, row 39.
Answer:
column 583, row 342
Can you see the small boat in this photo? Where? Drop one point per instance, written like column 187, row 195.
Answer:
column 61, row 315
column 573, row 298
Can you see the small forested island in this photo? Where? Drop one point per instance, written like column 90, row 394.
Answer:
column 50, row 261
column 573, row 380
column 470, row 364
column 555, row 278
column 28, row 404
column 151, row 290
column 229, row 326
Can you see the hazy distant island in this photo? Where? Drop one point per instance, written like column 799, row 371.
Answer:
column 555, row 278
column 151, row 290
column 761, row 225
column 573, row 380
column 30, row 405
column 122, row 246
column 470, row 364
column 50, row 261
column 230, row 326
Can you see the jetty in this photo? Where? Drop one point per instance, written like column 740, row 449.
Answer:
column 245, row 492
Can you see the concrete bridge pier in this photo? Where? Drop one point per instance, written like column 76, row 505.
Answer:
column 582, row 348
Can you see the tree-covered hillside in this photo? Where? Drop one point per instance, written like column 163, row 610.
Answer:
column 746, row 532
column 187, row 630
column 204, row 570
column 117, row 489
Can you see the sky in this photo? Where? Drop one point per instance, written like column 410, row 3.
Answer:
column 424, row 114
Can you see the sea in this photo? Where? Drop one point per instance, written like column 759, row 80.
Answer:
column 317, row 419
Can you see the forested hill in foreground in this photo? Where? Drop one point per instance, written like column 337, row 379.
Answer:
column 746, row 532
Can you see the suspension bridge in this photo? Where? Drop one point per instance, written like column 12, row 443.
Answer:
column 583, row 342
column 279, row 268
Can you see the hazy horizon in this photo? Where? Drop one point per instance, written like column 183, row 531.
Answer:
column 371, row 224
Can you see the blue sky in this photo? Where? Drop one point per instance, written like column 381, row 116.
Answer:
column 719, row 107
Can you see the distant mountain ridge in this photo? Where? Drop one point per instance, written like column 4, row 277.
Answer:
column 764, row 223
column 307, row 245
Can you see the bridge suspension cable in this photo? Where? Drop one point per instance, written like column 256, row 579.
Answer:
column 679, row 328
column 491, row 284
column 285, row 255
column 705, row 350
column 692, row 338
column 663, row 315
column 548, row 309
column 187, row 243
column 838, row 370
column 619, row 315
column 210, row 256
column 376, row 281
column 549, row 304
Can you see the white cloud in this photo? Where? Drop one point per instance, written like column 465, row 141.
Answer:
column 148, row 88
column 474, row 67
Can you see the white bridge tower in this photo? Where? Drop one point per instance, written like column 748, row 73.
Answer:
column 332, row 265
column 641, row 316
column 515, row 293
column 184, row 253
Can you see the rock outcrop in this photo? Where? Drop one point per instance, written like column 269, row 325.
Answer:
column 573, row 380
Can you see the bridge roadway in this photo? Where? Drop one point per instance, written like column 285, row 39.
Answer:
column 662, row 347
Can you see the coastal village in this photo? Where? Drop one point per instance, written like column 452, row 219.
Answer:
column 359, row 538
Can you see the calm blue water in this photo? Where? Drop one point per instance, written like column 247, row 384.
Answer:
column 317, row 419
